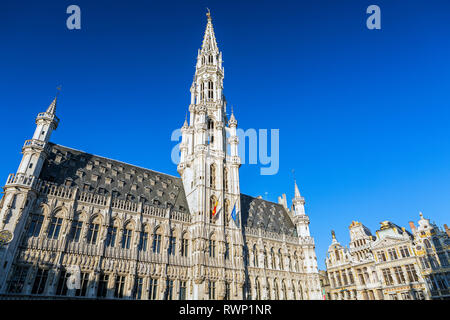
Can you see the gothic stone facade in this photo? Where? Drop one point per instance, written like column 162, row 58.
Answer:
column 394, row 265
column 134, row 233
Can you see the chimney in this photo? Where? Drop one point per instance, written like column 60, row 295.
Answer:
column 412, row 226
column 447, row 231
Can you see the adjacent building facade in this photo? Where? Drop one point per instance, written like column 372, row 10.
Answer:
column 395, row 264
column 73, row 224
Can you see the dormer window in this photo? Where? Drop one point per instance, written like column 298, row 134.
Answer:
column 140, row 178
column 121, row 183
column 134, row 186
column 89, row 166
column 114, row 172
column 108, row 180
column 109, row 165
column 127, row 176
column 58, row 158
column 133, row 171
column 80, row 173
column 102, row 169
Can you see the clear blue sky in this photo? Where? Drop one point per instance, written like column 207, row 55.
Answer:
column 363, row 115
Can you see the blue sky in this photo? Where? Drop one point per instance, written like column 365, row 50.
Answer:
column 363, row 114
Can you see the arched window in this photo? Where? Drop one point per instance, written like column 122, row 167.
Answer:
column 172, row 243
column 277, row 296
column 227, row 250
column 94, row 227
column 202, row 91
column 112, row 234
column 265, row 258
column 336, row 253
column 283, row 285
column 294, row 293
column 272, row 258
column 127, row 236
column 35, row 224
column 255, row 256
column 280, row 257
column 210, row 59
column 427, row 243
column 212, row 246
column 227, row 209
column 258, row 289
column 75, row 230
column 210, row 90
column 210, row 135
column 225, row 179
column 55, row 227
column 143, row 245
column 300, row 290
column 156, row 246
column 212, row 176
column 203, row 60
column 269, row 293
column 184, row 245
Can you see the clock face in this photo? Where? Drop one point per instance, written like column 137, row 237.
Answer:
column 5, row 237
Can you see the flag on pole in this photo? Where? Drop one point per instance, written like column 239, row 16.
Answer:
column 215, row 213
column 233, row 214
column 215, row 208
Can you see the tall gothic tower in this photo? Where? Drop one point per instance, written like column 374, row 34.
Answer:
column 22, row 188
column 211, row 176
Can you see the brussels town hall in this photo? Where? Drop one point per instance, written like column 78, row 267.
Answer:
column 80, row 226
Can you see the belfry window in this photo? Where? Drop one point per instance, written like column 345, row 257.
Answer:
column 210, row 59
column 202, row 91
column 212, row 176
column 210, row 90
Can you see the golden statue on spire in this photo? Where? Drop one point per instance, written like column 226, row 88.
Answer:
column 208, row 14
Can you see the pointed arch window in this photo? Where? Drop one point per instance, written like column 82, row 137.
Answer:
column 184, row 245
column 258, row 289
column 212, row 176
column 280, row 257
column 225, row 179
column 272, row 255
column 210, row 90
column 283, row 285
column 212, row 247
column 255, row 256
column 35, row 225
column 127, row 236
column 156, row 246
column 210, row 59
column 55, row 226
column 277, row 296
column 93, row 233
column 226, row 211
column 202, row 91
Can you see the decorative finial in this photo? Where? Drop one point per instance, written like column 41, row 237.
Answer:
column 333, row 235
column 208, row 14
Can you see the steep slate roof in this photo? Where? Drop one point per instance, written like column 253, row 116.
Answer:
column 66, row 166
column 266, row 215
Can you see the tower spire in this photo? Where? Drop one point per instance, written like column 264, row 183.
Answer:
column 209, row 39
column 52, row 107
